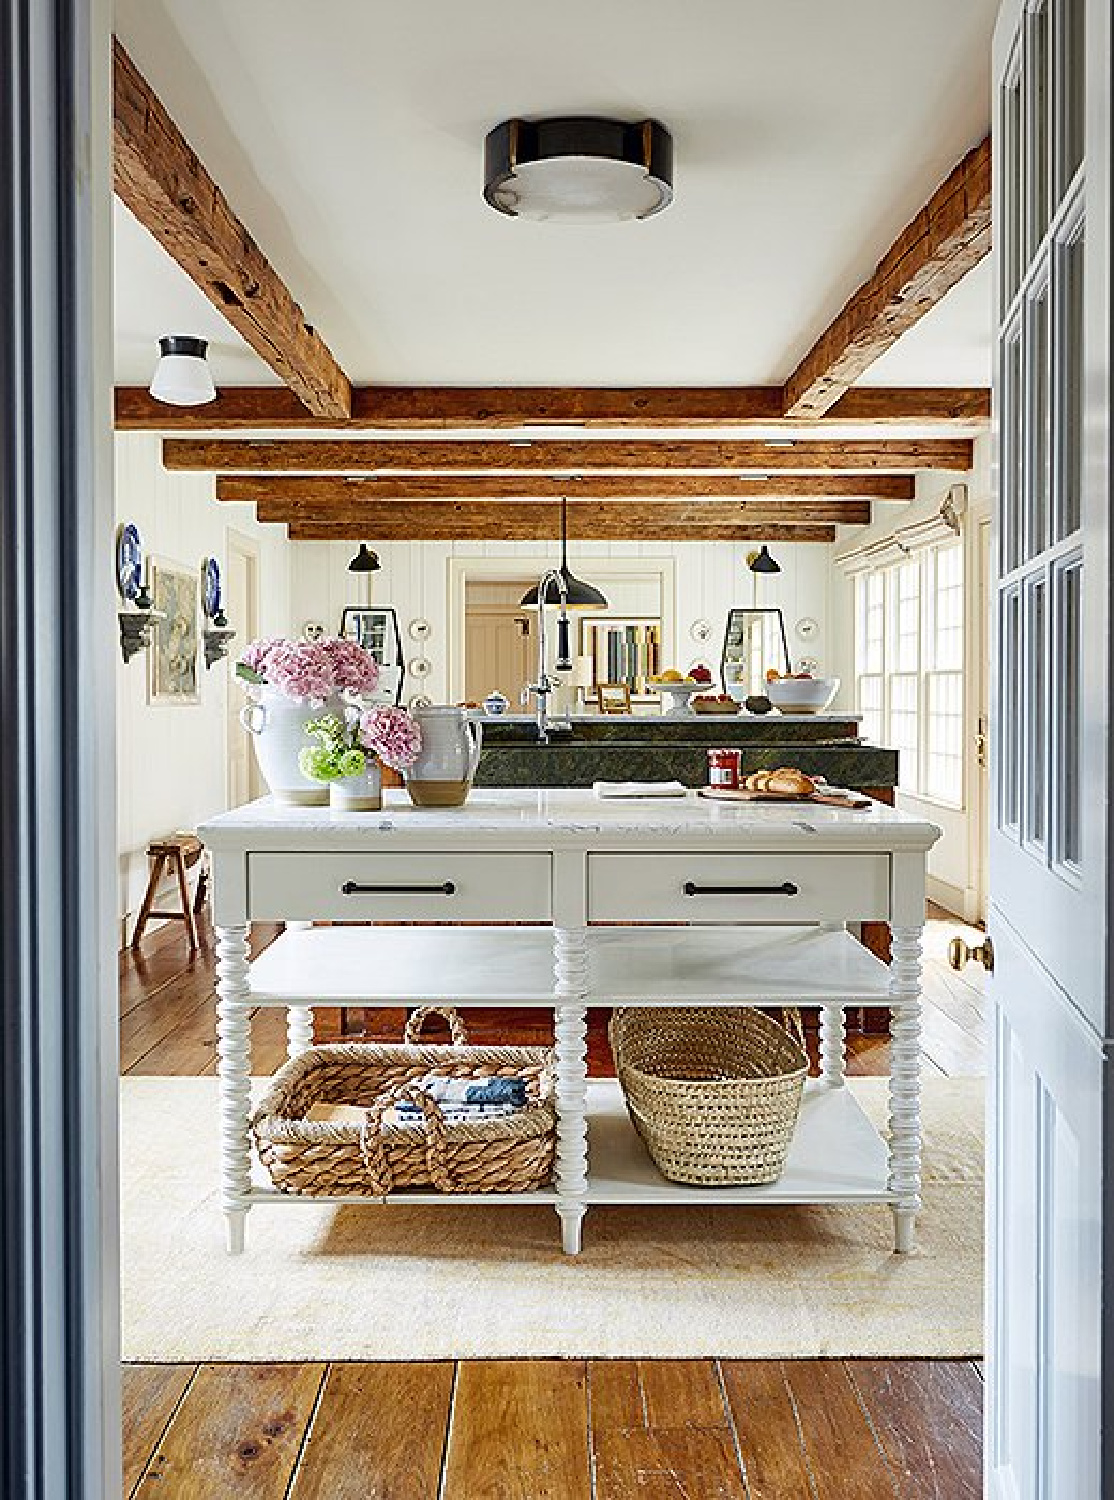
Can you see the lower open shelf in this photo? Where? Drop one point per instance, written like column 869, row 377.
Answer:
column 462, row 966
column 837, row 1156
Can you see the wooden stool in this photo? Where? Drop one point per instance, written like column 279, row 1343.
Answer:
column 178, row 851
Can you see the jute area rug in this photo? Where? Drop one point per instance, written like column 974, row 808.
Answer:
column 387, row 1283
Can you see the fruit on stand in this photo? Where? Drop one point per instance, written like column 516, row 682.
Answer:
column 700, row 673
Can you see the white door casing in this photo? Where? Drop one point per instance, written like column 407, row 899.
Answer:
column 1047, row 839
column 242, row 592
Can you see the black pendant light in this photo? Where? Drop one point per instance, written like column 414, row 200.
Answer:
column 364, row 561
column 762, row 562
column 580, row 595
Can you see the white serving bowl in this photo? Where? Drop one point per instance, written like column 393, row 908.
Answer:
column 802, row 695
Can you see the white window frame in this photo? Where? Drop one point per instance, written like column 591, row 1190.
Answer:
column 897, row 666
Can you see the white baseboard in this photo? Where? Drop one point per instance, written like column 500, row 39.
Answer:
column 961, row 900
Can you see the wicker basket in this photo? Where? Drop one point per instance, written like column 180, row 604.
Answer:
column 713, row 1092
column 510, row 1154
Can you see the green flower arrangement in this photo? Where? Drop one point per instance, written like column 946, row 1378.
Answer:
column 337, row 752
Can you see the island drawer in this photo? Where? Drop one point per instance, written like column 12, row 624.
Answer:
column 361, row 887
column 738, row 887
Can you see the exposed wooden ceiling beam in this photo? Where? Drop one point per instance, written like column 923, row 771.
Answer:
column 934, row 251
column 333, row 455
column 459, row 408
column 341, row 491
column 160, row 179
column 542, row 518
column 588, row 526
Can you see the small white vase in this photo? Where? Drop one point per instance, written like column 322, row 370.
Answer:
column 363, row 793
column 277, row 725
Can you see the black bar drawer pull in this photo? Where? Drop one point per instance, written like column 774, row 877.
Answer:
column 354, row 888
column 787, row 888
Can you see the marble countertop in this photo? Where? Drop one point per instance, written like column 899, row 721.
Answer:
column 529, row 818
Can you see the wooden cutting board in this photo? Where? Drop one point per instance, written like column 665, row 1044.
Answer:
column 826, row 799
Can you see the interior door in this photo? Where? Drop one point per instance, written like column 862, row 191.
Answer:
column 984, row 562
column 1049, row 761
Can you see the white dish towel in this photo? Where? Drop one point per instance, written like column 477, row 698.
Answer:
column 639, row 789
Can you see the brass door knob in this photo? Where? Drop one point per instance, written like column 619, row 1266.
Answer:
column 960, row 953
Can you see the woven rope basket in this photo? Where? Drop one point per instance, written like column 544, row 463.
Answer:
column 511, row 1154
column 713, row 1092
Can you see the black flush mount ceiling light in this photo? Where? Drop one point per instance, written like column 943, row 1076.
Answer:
column 578, row 594
column 762, row 562
column 365, row 561
column 182, row 376
column 579, row 169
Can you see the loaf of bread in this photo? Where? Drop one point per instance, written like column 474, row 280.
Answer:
column 789, row 780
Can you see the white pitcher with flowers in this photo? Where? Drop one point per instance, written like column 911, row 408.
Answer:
column 291, row 683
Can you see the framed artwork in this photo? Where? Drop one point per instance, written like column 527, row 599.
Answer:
column 173, row 653
column 613, row 697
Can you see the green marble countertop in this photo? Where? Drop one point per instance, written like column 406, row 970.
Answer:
column 563, row 764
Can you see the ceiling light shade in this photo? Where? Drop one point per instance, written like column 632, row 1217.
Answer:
column 578, row 594
column 762, row 562
column 182, row 376
column 365, row 561
column 578, row 169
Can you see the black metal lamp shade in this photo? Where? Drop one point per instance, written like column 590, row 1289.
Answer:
column 365, row 561
column 762, row 562
column 579, row 169
column 578, row 594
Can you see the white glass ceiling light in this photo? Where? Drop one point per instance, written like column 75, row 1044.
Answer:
column 578, row 169
column 182, row 376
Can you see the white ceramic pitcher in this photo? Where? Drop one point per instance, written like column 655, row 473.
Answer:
column 442, row 774
column 277, row 725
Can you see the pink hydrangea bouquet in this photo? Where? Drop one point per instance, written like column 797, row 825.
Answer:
column 309, row 671
column 342, row 747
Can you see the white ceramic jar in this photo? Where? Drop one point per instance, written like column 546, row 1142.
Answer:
column 277, row 725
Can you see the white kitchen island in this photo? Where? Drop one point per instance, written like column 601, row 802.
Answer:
column 748, row 904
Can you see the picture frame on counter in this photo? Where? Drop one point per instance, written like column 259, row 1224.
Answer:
column 613, row 697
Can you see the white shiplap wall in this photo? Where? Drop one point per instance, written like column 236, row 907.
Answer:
column 171, row 759
column 709, row 577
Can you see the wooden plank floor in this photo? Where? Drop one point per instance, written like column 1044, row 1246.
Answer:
column 540, row 1429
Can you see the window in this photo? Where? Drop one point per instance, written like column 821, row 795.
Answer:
column 943, row 778
column 869, row 647
column 909, row 668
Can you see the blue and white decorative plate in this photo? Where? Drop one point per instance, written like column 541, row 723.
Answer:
column 129, row 561
column 210, row 587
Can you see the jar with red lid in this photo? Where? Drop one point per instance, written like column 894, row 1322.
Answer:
column 723, row 770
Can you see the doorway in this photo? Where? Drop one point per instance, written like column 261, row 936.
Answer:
column 498, row 639
column 243, row 784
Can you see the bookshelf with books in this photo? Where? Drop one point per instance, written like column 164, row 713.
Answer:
column 621, row 650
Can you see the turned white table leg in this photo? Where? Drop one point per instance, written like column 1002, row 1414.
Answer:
column 833, row 1044
column 299, row 1029
column 299, row 1018
column 905, row 1083
column 833, row 1032
column 571, row 1031
column 234, row 1069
